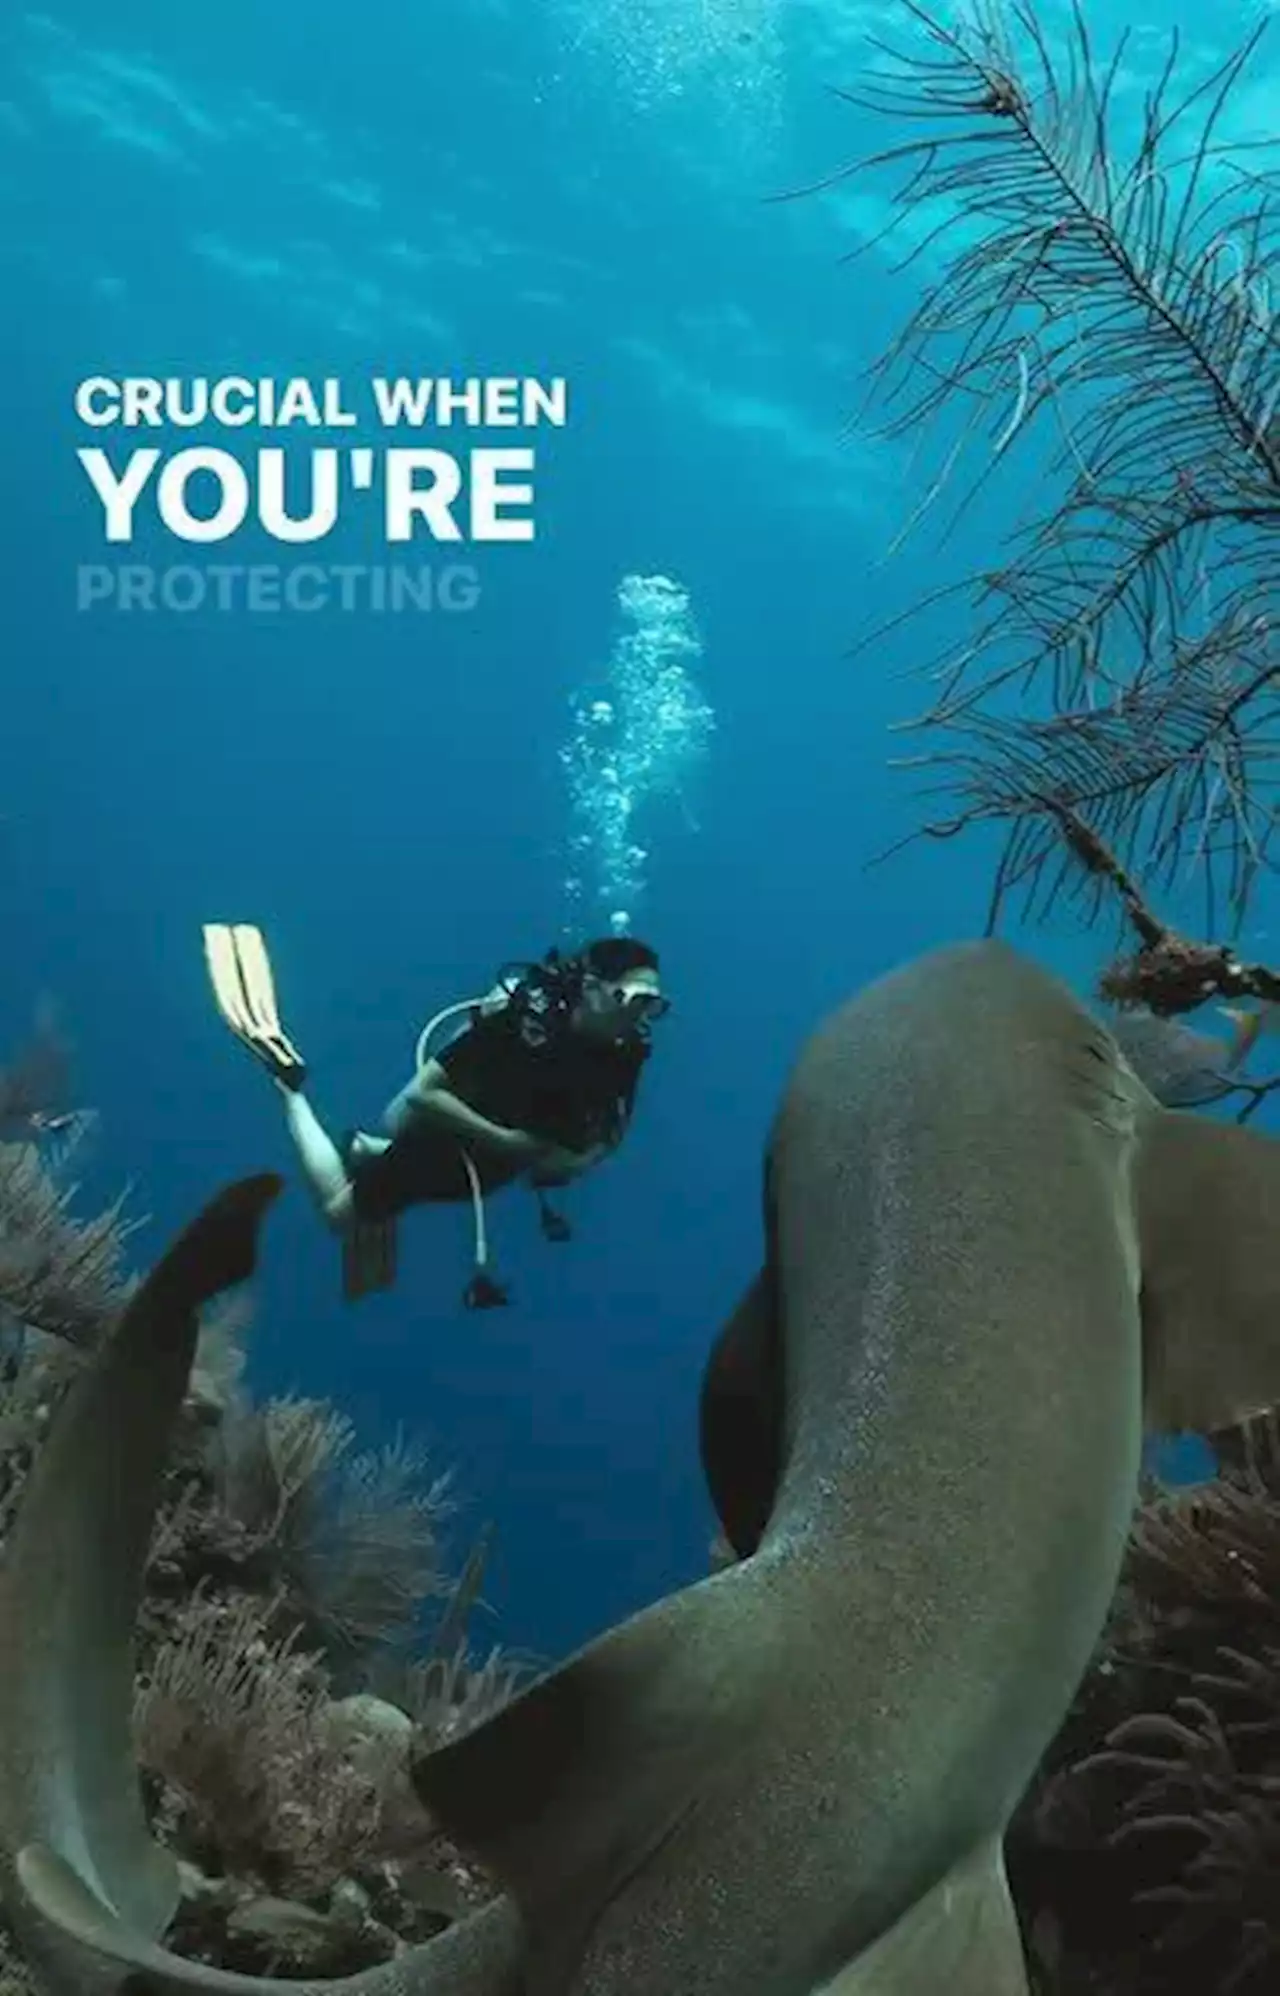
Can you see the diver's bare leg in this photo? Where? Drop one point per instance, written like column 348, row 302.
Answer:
column 320, row 1158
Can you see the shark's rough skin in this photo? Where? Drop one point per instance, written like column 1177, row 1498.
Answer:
column 922, row 1431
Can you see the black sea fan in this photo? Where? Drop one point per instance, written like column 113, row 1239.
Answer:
column 1110, row 299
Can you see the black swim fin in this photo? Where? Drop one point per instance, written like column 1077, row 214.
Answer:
column 483, row 1293
column 554, row 1225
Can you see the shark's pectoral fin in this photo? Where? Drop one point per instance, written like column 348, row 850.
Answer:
column 1208, row 1197
column 961, row 1939
column 571, row 1790
column 557, row 1786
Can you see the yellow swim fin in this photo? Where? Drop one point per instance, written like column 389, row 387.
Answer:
column 240, row 972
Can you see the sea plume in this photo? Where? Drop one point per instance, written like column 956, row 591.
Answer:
column 1104, row 293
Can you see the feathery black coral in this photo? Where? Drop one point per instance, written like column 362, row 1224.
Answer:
column 1170, row 774
column 1113, row 299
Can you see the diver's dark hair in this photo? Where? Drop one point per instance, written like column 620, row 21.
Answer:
column 614, row 956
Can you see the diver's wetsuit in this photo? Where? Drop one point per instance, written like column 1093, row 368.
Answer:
column 569, row 1091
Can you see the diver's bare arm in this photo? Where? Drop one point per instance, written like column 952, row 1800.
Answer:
column 429, row 1099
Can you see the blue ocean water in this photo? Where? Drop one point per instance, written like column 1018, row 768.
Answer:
column 576, row 188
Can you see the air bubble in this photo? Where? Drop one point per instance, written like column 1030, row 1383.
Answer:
column 633, row 743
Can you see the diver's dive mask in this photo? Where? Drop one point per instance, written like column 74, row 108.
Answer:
column 644, row 1006
column 627, row 1008
column 561, row 994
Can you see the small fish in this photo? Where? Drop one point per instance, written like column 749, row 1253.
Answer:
column 1250, row 1023
column 33, row 1086
column 49, row 1125
column 60, row 1137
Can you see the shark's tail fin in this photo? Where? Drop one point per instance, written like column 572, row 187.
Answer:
column 73, row 1574
column 479, row 1956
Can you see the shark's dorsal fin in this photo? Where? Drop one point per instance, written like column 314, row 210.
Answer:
column 1208, row 1198
column 741, row 1416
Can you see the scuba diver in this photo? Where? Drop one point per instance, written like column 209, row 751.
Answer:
column 535, row 1081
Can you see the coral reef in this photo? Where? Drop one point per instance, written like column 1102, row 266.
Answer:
column 300, row 1633
column 1144, row 1859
